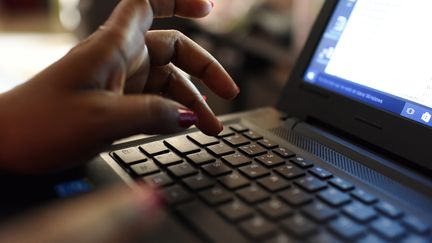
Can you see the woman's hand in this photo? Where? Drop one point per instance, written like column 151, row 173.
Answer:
column 123, row 80
column 117, row 214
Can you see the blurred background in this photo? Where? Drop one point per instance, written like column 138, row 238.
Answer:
column 256, row 40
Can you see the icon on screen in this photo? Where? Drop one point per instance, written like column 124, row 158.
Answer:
column 326, row 53
column 351, row 3
column 340, row 24
column 426, row 117
column 311, row 76
column 410, row 111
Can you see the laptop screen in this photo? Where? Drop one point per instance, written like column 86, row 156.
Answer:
column 378, row 52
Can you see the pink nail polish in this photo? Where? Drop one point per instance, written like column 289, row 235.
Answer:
column 204, row 98
column 187, row 118
column 158, row 198
column 148, row 200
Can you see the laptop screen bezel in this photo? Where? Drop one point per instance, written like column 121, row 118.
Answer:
column 398, row 136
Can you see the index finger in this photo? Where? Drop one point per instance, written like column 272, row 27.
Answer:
column 170, row 46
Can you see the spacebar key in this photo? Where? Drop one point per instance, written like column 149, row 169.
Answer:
column 209, row 224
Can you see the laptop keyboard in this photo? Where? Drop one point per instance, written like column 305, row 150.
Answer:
column 241, row 185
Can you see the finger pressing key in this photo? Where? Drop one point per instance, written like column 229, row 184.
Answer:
column 170, row 81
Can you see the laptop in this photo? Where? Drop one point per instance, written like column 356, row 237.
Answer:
column 343, row 157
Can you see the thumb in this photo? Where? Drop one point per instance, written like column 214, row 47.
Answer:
column 118, row 214
column 148, row 114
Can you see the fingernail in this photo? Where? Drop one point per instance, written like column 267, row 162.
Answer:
column 204, row 98
column 187, row 118
column 221, row 127
column 238, row 90
column 149, row 198
column 234, row 93
column 212, row 3
column 156, row 200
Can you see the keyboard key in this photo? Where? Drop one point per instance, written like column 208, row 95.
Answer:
column 207, row 222
column 182, row 170
column 341, row 184
column 360, row 212
column 372, row 238
column 253, row 150
column 364, row 196
column 389, row 209
column 282, row 238
column 175, row 195
column 346, row 228
column 198, row 182
column 154, row 148
column 236, row 211
column 239, row 128
column 275, row 209
column 270, row 160
column 415, row 239
column 257, row 228
column 334, row 197
column 321, row 173
column 284, row 152
column 159, row 180
column 319, row 212
column 182, row 145
column 388, row 229
column 295, row 196
column 302, row 162
column 220, row 149
column 324, row 237
column 225, row 132
column 216, row 195
column 299, row 226
column 252, row 135
column 417, row 225
column 217, row 168
column 236, row 140
column 130, row 155
column 290, row 171
column 168, row 159
column 273, row 183
column 234, row 181
column 254, row 170
column 236, row 159
column 311, row 184
column 253, row 194
column 203, row 139
column 145, row 168
column 202, row 157
column 268, row 144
